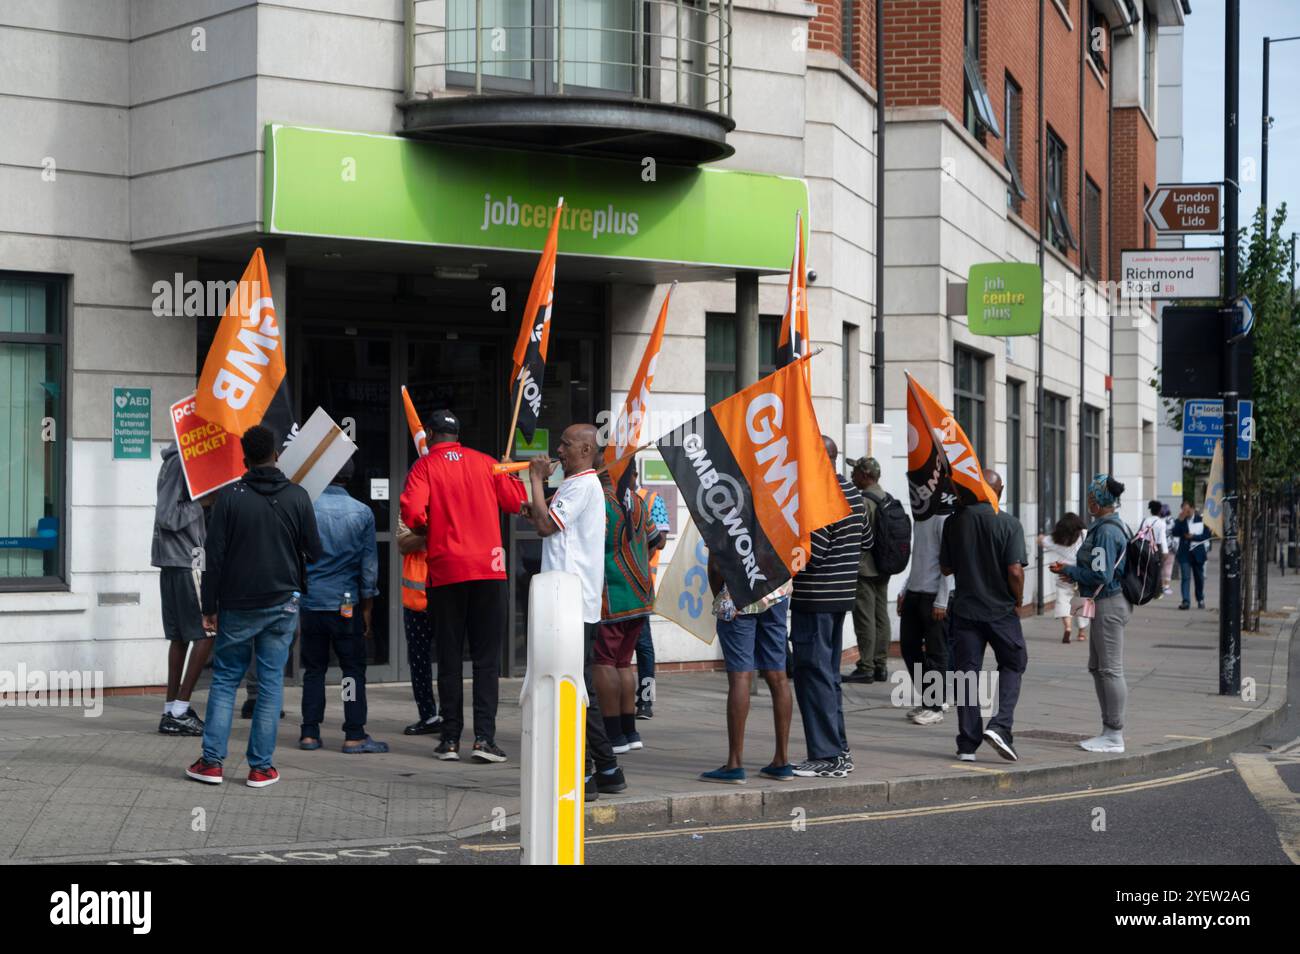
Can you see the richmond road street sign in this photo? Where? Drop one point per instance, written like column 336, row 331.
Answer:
column 1186, row 209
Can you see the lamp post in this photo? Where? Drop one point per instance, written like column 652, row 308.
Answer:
column 1265, row 122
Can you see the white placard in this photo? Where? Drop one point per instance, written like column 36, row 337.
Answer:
column 316, row 454
column 378, row 488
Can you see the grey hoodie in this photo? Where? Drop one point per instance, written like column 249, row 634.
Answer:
column 177, row 520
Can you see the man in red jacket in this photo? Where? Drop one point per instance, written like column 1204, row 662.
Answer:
column 455, row 500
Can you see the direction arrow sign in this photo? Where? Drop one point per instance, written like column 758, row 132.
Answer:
column 1186, row 208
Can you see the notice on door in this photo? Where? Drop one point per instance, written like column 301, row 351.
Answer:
column 132, row 423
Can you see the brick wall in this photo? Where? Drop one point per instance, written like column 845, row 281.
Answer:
column 826, row 32
column 1134, row 168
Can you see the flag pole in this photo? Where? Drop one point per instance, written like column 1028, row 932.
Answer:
column 514, row 421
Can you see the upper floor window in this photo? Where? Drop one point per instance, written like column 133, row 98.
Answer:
column 1059, row 232
column 1012, row 112
column 978, row 109
column 1098, row 37
column 1092, row 228
column 720, row 380
column 1150, row 26
column 968, row 391
column 848, row 15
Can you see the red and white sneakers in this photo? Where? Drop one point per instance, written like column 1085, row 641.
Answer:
column 205, row 771
column 262, row 777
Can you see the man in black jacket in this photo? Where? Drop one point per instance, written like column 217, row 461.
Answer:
column 262, row 533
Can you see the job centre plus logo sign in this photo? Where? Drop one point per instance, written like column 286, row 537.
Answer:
column 1004, row 299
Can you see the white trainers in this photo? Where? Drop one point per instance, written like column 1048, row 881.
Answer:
column 965, row 756
column 915, row 711
column 928, row 717
column 1106, row 743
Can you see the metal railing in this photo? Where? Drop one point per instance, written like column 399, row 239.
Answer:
column 662, row 51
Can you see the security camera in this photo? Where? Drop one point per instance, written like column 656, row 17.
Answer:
column 812, row 276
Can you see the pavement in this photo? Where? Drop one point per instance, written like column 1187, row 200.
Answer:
column 111, row 788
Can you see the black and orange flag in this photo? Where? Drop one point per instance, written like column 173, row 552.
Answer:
column 534, row 335
column 942, row 469
column 793, row 341
column 243, row 381
column 629, row 429
column 754, row 474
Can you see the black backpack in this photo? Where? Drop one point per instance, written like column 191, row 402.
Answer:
column 1141, row 566
column 892, row 528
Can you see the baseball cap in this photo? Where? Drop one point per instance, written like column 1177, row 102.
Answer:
column 868, row 465
column 442, row 422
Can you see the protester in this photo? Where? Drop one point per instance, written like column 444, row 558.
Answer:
column 178, row 532
column 823, row 594
column 420, row 645
column 1097, row 572
column 1062, row 547
column 1193, row 538
column 572, row 529
column 752, row 637
column 347, row 574
column 627, row 599
column 645, row 646
column 1167, row 564
column 453, row 497
column 1159, row 532
column 984, row 551
column 922, row 610
column 262, row 533
column 871, row 605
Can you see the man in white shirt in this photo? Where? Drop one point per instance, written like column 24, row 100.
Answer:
column 572, row 528
column 922, row 609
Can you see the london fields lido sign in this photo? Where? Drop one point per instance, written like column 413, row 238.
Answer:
column 1004, row 299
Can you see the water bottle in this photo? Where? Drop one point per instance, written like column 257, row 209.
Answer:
column 346, row 608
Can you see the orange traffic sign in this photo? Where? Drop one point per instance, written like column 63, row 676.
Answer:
column 1186, row 208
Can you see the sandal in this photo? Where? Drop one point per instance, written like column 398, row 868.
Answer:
column 309, row 744
column 367, row 745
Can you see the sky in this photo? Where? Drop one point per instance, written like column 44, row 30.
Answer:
column 1203, row 76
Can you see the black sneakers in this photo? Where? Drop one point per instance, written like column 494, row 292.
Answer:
column 610, row 784
column 188, row 724
column 447, row 751
column 1000, row 739
column 485, row 750
column 424, row 728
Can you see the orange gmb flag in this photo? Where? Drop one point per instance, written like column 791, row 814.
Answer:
column 793, row 341
column 245, row 367
column 535, row 334
column 942, row 469
column 629, row 429
column 754, row 474
column 413, row 423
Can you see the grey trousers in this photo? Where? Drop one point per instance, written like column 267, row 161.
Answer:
column 871, row 622
column 1106, row 658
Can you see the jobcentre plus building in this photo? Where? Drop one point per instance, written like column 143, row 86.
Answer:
column 397, row 162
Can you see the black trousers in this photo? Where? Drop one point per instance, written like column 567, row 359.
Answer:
column 473, row 610
column 599, row 750
column 322, row 629
column 923, row 640
column 969, row 639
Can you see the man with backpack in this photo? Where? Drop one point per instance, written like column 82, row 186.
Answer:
column 886, row 555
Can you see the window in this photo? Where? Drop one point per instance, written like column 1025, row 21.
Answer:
column 978, row 109
column 968, row 396
column 848, row 8
column 849, row 375
column 1149, row 27
column 1011, row 115
column 720, row 353
column 1015, row 440
column 33, row 431
column 1146, row 222
column 1092, row 228
column 1059, row 232
column 1098, row 37
column 1091, row 442
column 1055, row 459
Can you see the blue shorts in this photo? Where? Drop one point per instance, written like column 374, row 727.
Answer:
column 755, row 642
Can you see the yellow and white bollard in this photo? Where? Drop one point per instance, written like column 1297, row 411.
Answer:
column 553, row 745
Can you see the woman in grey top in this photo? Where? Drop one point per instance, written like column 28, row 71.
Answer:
column 1097, row 571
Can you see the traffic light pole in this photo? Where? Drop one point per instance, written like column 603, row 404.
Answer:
column 1230, row 568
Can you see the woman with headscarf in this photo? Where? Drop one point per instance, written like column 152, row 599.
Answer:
column 1097, row 572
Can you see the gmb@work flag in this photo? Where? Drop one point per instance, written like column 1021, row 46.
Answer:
column 535, row 335
column 793, row 341
column 942, row 469
column 754, row 474
column 243, row 380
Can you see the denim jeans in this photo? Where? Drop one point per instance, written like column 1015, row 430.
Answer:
column 817, row 639
column 645, row 666
column 1191, row 570
column 261, row 634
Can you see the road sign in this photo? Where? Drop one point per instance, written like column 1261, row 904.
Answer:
column 1165, row 273
column 132, row 423
column 1186, row 208
column 1244, row 319
column 1191, row 353
column 1203, row 427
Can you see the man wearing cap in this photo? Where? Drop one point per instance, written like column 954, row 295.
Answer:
column 453, row 497
column 871, row 607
